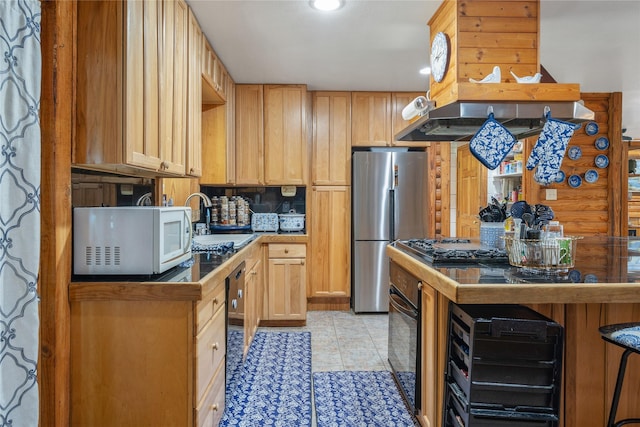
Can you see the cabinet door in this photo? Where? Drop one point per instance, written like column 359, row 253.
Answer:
column 285, row 136
column 212, row 68
column 173, row 100
column 400, row 100
column 429, row 362
column 370, row 119
column 249, row 135
column 330, row 242
column 253, row 300
column 331, row 153
column 287, row 289
column 194, row 99
column 124, row 74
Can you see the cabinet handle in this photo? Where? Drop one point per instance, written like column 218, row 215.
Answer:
column 214, row 346
column 286, row 251
column 302, row 262
column 192, row 170
column 215, row 301
column 420, row 285
column 214, row 407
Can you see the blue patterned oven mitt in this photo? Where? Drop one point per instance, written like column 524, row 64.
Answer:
column 549, row 150
column 491, row 143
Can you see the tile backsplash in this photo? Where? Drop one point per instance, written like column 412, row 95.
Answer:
column 263, row 199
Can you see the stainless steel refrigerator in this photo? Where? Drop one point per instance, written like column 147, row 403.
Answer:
column 389, row 202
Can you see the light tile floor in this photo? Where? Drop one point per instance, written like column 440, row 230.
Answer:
column 344, row 341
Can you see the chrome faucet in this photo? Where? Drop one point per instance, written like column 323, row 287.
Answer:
column 144, row 200
column 207, row 204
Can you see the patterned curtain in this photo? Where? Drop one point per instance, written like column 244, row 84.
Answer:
column 20, row 74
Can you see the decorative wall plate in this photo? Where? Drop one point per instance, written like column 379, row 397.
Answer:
column 574, row 153
column 602, row 161
column 602, row 143
column 560, row 176
column 575, row 181
column 591, row 128
column 591, row 176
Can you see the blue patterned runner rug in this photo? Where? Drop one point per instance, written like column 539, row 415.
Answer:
column 359, row 399
column 273, row 386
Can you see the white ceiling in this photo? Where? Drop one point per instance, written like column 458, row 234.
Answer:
column 379, row 45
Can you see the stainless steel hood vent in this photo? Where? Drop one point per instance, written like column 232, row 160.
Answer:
column 459, row 121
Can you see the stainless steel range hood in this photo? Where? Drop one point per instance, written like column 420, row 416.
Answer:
column 459, row 121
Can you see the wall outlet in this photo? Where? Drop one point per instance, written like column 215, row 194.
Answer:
column 551, row 194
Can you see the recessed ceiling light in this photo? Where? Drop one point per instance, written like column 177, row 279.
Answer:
column 425, row 70
column 326, row 5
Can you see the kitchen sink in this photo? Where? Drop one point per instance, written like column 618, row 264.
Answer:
column 238, row 240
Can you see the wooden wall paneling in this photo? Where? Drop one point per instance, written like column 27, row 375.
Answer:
column 471, row 192
column 57, row 121
column 593, row 208
column 618, row 168
column 445, row 20
column 509, row 36
column 439, row 165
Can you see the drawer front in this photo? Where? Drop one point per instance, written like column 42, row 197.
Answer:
column 210, row 411
column 287, row 250
column 210, row 351
column 207, row 308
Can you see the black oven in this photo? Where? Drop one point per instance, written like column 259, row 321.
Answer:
column 404, row 333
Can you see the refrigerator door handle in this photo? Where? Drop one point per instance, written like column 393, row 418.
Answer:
column 392, row 215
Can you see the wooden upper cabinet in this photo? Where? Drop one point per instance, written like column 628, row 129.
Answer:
column 123, row 76
column 214, row 76
column 285, row 135
column 399, row 100
column 370, row 119
column 194, row 98
column 173, row 92
column 249, row 135
column 331, row 152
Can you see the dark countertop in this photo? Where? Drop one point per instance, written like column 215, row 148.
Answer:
column 607, row 269
column 205, row 270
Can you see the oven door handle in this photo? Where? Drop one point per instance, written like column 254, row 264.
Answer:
column 401, row 305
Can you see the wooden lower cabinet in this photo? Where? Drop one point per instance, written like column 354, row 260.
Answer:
column 330, row 278
column 253, row 295
column 148, row 362
column 287, row 290
column 429, row 414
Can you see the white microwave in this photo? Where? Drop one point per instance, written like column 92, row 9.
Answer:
column 130, row 240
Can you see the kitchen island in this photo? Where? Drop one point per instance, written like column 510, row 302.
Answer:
column 152, row 350
column 602, row 288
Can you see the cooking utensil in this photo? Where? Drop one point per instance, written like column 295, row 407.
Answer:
column 528, row 219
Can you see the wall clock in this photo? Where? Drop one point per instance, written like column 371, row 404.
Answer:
column 439, row 56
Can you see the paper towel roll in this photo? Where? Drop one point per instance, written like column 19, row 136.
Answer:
column 415, row 107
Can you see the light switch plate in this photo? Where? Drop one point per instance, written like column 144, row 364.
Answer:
column 551, row 194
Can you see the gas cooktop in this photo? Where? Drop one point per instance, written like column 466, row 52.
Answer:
column 452, row 250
